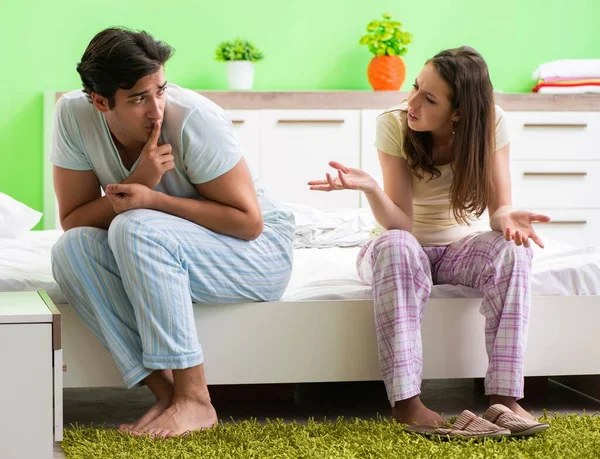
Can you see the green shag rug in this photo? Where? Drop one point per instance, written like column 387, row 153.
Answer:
column 570, row 436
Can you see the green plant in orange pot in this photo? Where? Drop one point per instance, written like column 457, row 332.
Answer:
column 387, row 41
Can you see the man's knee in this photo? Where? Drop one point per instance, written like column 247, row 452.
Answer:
column 73, row 244
column 74, row 241
column 124, row 229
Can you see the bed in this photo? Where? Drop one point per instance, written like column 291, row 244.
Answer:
column 323, row 330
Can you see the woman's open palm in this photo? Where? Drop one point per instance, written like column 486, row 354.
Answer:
column 518, row 226
column 347, row 179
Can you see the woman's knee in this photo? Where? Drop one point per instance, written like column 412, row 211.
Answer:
column 396, row 241
column 508, row 252
column 396, row 252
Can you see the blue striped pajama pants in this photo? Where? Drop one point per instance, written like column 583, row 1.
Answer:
column 134, row 284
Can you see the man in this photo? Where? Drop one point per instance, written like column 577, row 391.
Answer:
column 182, row 221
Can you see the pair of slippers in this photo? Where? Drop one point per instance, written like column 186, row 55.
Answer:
column 498, row 421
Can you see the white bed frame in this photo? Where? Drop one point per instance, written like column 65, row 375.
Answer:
column 321, row 341
column 318, row 341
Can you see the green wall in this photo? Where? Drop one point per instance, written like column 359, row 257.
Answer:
column 309, row 44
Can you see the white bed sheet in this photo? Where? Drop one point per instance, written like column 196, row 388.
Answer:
column 318, row 274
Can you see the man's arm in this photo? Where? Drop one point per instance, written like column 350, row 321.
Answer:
column 79, row 199
column 231, row 205
column 78, row 192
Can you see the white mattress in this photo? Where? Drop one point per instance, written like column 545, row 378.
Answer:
column 318, row 274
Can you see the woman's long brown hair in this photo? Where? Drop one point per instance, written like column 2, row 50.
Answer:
column 471, row 93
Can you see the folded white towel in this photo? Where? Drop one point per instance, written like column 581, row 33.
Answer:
column 568, row 68
column 569, row 89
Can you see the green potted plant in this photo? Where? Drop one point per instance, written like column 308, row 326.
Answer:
column 240, row 56
column 387, row 41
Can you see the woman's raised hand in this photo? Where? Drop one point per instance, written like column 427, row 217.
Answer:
column 347, row 179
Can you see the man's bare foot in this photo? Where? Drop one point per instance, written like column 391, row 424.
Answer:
column 512, row 404
column 413, row 412
column 161, row 384
column 155, row 411
column 183, row 416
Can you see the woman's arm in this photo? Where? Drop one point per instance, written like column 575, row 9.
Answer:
column 392, row 206
column 517, row 225
column 501, row 196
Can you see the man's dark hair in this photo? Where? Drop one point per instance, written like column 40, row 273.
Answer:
column 118, row 58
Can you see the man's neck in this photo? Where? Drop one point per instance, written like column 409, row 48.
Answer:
column 130, row 150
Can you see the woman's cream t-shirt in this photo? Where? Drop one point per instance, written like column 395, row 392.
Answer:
column 433, row 220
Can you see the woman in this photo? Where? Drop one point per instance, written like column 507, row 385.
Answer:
column 445, row 159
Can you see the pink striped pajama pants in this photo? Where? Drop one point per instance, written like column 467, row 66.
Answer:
column 402, row 274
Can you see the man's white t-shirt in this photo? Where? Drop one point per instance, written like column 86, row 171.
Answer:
column 201, row 135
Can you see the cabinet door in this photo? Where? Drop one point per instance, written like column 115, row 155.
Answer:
column 296, row 146
column 247, row 127
column 369, row 158
column 26, row 417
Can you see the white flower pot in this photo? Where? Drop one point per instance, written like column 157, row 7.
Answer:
column 240, row 74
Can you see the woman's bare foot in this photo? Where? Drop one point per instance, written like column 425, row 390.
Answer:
column 512, row 404
column 183, row 416
column 161, row 384
column 413, row 412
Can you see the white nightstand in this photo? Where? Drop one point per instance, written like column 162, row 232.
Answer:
column 31, row 378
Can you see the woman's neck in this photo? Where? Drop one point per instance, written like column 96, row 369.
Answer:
column 441, row 153
column 442, row 139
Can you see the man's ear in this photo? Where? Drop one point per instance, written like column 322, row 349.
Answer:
column 100, row 102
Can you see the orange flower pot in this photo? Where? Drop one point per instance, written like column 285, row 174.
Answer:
column 386, row 73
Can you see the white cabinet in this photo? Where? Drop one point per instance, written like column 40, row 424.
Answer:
column 247, row 126
column 369, row 159
column 555, row 169
column 31, row 383
column 296, row 146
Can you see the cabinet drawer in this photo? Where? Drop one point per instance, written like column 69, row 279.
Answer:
column 555, row 184
column 296, row 146
column 579, row 228
column 554, row 135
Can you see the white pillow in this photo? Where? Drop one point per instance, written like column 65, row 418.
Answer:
column 15, row 217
